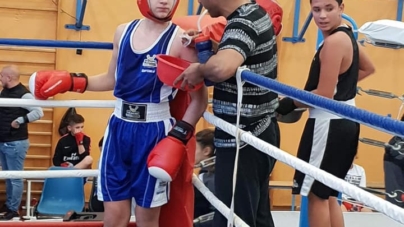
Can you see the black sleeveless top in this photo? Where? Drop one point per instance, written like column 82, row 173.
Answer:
column 347, row 81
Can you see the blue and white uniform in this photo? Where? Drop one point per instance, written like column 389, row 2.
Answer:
column 140, row 120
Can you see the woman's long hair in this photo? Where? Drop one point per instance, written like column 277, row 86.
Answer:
column 205, row 139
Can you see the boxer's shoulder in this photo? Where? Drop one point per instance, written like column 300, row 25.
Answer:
column 179, row 50
column 118, row 32
column 337, row 40
column 120, row 28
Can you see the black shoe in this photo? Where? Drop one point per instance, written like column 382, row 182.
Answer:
column 10, row 215
column 4, row 209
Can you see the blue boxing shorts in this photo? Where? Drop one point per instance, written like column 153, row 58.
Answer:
column 133, row 130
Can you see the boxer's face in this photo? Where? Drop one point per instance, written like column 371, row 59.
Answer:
column 75, row 128
column 327, row 14
column 161, row 8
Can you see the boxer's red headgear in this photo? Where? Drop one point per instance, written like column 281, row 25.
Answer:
column 145, row 10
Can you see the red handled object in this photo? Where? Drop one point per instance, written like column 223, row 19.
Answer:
column 169, row 68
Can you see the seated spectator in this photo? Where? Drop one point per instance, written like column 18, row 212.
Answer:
column 204, row 149
column 73, row 149
column 356, row 176
column 393, row 163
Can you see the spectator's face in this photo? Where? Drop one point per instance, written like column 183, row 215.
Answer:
column 4, row 78
column 211, row 6
column 76, row 128
column 201, row 153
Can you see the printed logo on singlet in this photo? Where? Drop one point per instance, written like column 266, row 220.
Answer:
column 149, row 64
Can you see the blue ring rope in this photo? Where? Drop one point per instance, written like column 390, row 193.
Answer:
column 364, row 117
column 57, row 44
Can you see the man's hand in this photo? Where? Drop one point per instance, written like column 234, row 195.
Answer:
column 191, row 77
column 15, row 124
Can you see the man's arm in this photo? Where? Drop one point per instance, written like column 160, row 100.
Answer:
column 35, row 113
column 58, row 155
column 237, row 44
column 106, row 81
column 366, row 67
column 84, row 149
column 199, row 98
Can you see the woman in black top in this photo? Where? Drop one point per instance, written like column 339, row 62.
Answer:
column 329, row 142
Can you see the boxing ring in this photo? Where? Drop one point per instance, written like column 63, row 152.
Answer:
column 389, row 215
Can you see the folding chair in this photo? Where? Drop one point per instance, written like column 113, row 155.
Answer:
column 60, row 195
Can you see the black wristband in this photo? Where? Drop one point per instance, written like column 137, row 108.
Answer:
column 26, row 120
column 72, row 75
column 182, row 131
column 286, row 105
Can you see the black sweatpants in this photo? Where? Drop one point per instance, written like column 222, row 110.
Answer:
column 251, row 199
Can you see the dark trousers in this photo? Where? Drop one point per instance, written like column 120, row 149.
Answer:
column 251, row 199
column 394, row 182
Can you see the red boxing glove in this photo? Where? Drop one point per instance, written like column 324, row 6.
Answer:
column 166, row 158
column 45, row 84
column 79, row 138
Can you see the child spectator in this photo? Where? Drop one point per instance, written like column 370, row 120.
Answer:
column 356, row 176
column 73, row 149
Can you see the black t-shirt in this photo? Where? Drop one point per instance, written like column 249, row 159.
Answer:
column 249, row 31
column 67, row 150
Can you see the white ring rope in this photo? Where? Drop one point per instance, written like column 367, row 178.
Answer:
column 57, row 103
column 41, row 174
column 340, row 185
column 219, row 205
column 222, row 208
column 230, row 217
column 94, row 173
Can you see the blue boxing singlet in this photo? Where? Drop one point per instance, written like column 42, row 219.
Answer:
column 136, row 71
